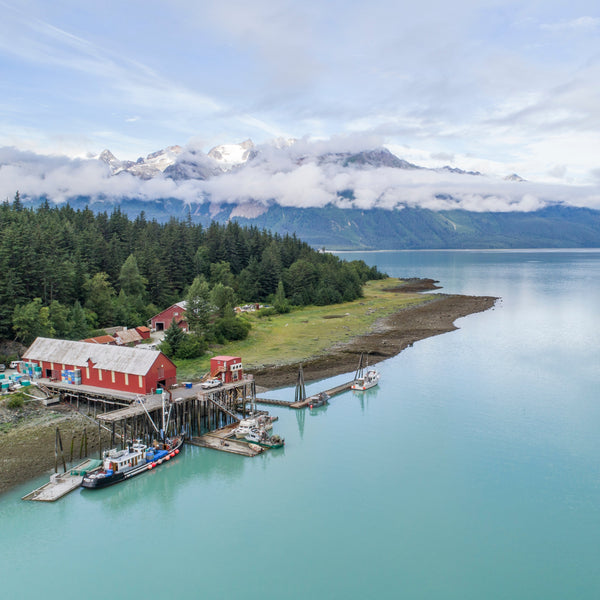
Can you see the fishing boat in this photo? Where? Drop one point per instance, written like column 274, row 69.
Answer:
column 365, row 377
column 136, row 458
column 319, row 400
column 261, row 438
column 119, row 465
column 245, row 426
column 368, row 380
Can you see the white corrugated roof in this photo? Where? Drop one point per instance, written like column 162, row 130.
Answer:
column 112, row 358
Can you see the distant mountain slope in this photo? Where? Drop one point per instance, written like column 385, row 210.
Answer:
column 332, row 227
column 411, row 228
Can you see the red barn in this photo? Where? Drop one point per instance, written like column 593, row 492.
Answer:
column 226, row 368
column 113, row 367
column 162, row 320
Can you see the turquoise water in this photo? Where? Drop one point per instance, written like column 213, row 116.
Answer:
column 471, row 472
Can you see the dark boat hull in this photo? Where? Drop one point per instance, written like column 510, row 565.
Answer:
column 102, row 482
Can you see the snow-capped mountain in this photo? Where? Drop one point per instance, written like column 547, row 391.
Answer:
column 514, row 177
column 179, row 163
column 144, row 168
column 231, row 155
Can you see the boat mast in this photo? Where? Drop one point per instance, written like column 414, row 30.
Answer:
column 360, row 370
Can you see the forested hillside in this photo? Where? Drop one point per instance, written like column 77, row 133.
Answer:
column 66, row 272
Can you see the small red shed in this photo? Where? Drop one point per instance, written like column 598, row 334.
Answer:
column 143, row 331
column 226, row 368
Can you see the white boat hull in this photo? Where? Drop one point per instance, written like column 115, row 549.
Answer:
column 371, row 379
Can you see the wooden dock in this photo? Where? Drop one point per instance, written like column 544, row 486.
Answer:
column 338, row 389
column 222, row 439
column 274, row 402
column 61, row 484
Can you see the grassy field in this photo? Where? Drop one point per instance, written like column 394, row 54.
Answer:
column 306, row 332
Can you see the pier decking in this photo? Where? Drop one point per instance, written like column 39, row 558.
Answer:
column 222, row 439
column 338, row 389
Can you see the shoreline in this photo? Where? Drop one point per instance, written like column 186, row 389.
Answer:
column 389, row 336
column 27, row 449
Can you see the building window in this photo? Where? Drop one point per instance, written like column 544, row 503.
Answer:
column 112, row 376
column 87, row 372
column 140, row 381
column 126, row 378
column 100, row 374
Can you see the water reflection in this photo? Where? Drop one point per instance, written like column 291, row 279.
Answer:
column 301, row 420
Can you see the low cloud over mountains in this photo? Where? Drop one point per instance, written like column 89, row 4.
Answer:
column 352, row 172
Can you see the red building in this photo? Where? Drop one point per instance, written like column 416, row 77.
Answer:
column 144, row 332
column 112, row 367
column 162, row 320
column 226, row 368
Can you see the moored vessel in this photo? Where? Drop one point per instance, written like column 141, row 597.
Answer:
column 119, row 465
column 368, row 380
column 261, row 438
column 136, row 458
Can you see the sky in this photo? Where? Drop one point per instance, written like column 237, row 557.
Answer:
column 496, row 86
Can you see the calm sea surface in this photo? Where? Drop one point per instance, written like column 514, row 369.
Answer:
column 471, row 472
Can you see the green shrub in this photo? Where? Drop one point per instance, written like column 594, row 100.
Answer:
column 15, row 401
column 232, row 328
column 191, row 346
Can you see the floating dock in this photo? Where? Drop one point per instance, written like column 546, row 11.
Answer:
column 222, row 439
column 61, row 484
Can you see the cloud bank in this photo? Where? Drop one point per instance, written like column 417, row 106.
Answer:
column 305, row 174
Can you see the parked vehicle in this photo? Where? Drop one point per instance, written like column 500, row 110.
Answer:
column 210, row 384
column 15, row 364
column 2, row 368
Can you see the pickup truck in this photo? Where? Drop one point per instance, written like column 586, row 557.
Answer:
column 210, row 383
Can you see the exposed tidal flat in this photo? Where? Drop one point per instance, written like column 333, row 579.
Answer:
column 470, row 472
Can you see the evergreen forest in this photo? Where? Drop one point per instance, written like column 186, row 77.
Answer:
column 69, row 273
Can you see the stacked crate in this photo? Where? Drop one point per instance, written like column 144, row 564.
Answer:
column 72, row 376
column 30, row 369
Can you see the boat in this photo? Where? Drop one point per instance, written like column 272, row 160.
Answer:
column 319, row 400
column 136, row 458
column 261, row 438
column 245, row 426
column 368, row 380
